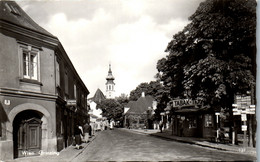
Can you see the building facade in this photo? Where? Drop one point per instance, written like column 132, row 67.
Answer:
column 110, row 85
column 189, row 118
column 41, row 95
column 139, row 113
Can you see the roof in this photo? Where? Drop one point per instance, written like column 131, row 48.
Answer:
column 130, row 103
column 10, row 11
column 99, row 96
column 141, row 105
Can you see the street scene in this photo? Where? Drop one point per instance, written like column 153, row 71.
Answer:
column 125, row 145
column 128, row 80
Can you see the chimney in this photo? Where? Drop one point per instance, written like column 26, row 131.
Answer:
column 143, row 94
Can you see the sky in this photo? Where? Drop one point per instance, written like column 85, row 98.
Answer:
column 131, row 35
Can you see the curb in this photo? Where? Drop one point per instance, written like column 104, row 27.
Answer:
column 77, row 154
column 203, row 145
column 73, row 157
column 238, row 150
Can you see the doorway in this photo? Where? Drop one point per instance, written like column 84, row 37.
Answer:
column 27, row 133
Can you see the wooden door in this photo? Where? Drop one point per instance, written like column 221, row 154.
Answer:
column 29, row 137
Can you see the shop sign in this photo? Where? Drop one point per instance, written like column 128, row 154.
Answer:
column 71, row 102
column 186, row 102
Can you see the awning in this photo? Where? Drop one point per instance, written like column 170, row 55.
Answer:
column 187, row 110
column 192, row 109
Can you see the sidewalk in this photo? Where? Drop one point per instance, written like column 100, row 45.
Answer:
column 166, row 134
column 67, row 154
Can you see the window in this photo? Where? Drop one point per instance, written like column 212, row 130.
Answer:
column 66, row 82
column 75, row 91
column 30, row 63
column 208, row 120
column 192, row 122
column 57, row 73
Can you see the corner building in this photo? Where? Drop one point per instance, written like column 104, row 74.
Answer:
column 41, row 95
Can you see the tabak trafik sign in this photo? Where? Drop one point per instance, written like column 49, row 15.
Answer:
column 186, row 102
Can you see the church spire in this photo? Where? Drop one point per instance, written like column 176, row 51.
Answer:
column 110, row 91
column 110, row 75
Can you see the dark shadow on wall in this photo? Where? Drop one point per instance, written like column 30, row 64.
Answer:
column 3, row 117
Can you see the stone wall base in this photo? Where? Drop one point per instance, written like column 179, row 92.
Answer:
column 6, row 150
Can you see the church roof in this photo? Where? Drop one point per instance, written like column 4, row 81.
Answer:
column 11, row 12
column 140, row 106
column 99, row 96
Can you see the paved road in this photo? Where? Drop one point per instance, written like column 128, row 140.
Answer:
column 124, row 145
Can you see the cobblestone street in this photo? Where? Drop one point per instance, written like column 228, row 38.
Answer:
column 124, row 145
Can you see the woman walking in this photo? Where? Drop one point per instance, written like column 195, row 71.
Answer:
column 77, row 133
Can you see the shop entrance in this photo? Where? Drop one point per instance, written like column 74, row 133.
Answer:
column 27, row 133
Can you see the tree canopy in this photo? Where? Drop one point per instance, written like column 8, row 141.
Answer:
column 213, row 57
column 111, row 109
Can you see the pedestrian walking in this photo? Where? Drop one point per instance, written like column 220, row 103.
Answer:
column 161, row 125
column 92, row 124
column 77, row 138
column 112, row 123
column 90, row 131
column 86, row 130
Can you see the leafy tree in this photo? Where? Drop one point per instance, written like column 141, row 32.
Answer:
column 214, row 56
column 111, row 109
column 123, row 99
column 152, row 89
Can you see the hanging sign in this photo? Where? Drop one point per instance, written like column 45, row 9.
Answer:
column 71, row 102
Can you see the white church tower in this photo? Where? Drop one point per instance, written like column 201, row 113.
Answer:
column 110, row 85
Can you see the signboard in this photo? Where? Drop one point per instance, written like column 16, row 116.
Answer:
column 243, row 101
column 243, row 106
column 71, row 102
column 186, row 102
column 238, row 112
column 243, row 117
column 244, row 128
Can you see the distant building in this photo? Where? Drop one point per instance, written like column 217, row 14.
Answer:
column 138, row 113
column 41, row 94
column 97, row 98
column 110, row 85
